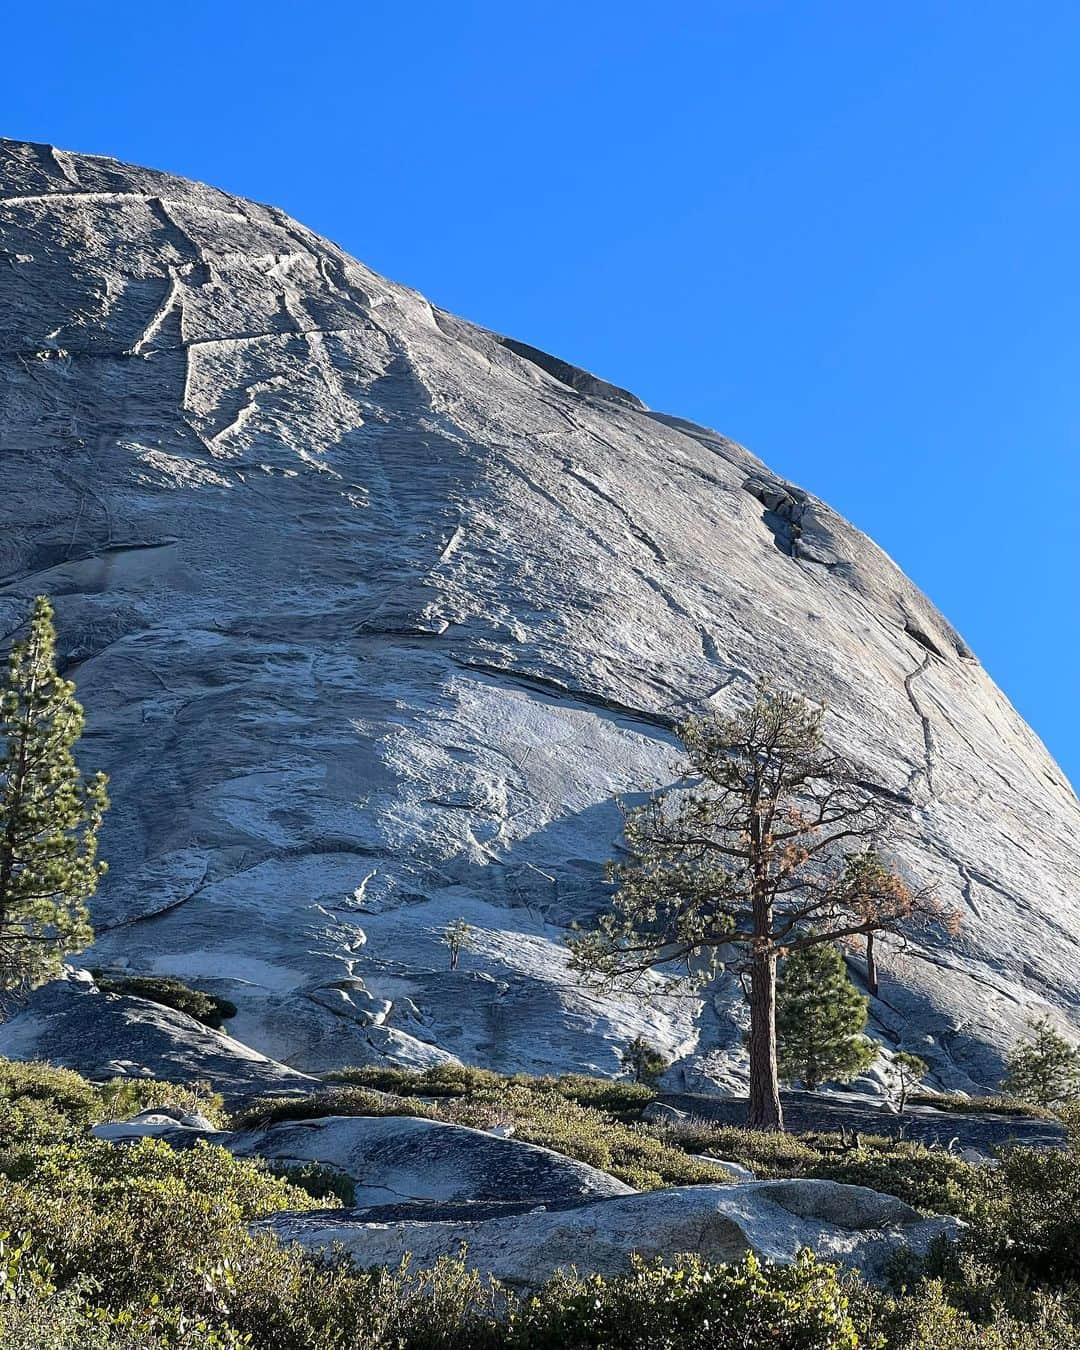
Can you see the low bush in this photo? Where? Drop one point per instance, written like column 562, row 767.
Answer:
column 1029, row 1223
column 929, row 1319
column 1001, row 1106
column 541, row 1115
column 123, row 1097
column 621, row 1099
column 260, row 1112
column 442, row 1080
column 691, row 1305
column 170, row 993
column 929, row 1179
column 460, row 1080
column 139, row 1219
column 35, row 1314
column 320, row 1182
column 40, row 1103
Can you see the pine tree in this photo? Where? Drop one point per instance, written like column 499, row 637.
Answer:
column 906, row 1071
column 820, row 1018
column 643, row 1061
column 1046, row 1070
column 49, row 818
column 456, row 937
column 746, row 856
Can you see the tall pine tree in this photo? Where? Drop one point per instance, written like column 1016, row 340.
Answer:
column 745, row 857
column 820, row 1017
column 49, row 817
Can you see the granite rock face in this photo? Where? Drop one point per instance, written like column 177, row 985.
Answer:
column 398, row 1160
column 375, row 613
column 70, row 1022
column 403, row 1163
column 850, row 1225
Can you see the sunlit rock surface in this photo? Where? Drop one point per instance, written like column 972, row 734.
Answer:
column 71, row 1022
column 776, row 1220
column 376, row 613
column 399, row 1163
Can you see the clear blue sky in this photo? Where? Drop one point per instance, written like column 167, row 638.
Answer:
column 846, row 234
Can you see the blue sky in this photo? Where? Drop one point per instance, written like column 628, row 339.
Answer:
column 845, row 234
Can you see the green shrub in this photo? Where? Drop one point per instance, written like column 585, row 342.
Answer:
column 1014, row 1278
column 43, row 1104
column 120, row 1098
column 442, row 1080
column 290, row 1301
column 40, row 1317
column 170, row 993
column 542, row 1115
column 604, row 1094
column 929, row 1179
column 460, row 1080
column 139, row 1219
column 1001, row 1106
column 690, row 1305
column 39, row 1102
column 928, row 1319
column 1030, row 1220
column 320, row 1182
column 260, row 1112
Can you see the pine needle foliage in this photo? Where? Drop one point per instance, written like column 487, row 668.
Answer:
column 765, row 844
column 644, row 1062
column 49, row 816
column 1045, row 1070
column 906, row 1071
column 820, row 1019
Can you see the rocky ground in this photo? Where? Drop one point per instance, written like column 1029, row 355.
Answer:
column 775, row 1219
column 825, row 1113
column 428, row 1190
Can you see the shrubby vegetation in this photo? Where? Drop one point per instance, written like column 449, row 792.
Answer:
column 262, row 1111
column 551, row 1112
column 993, row 1105
column 633, row 1153
column 692, row 1305
column 458, row 1080
column 319, row 1181
column 42, row 1104
column 171, row 993
column 138, row 1247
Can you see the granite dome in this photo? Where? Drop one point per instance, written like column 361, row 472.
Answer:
column 375, row 613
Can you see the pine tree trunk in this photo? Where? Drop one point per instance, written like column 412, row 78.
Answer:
column 765, row 1110
column 871, row 966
